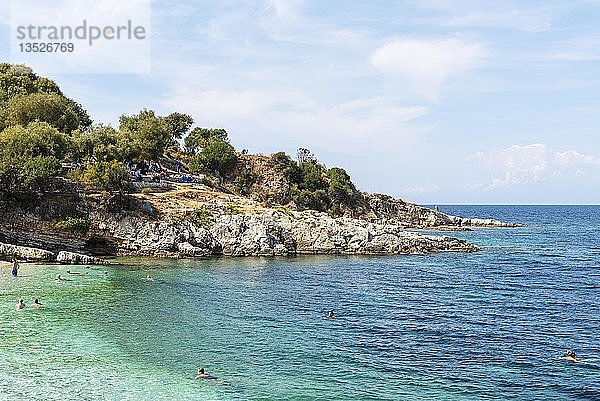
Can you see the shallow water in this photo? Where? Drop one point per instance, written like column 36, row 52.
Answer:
column 487, row 325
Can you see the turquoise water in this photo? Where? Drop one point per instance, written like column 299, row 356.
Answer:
column 487, row 325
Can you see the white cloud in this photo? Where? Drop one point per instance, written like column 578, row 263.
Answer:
column 292, row 118
column 572, row 158
column 531, row 163
column 427, row 64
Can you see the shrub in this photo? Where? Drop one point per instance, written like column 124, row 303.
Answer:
column 243, row 183
column 216, row 157
column 104, row 176
column 208, row 182
column 74, row 222
column 200, row 216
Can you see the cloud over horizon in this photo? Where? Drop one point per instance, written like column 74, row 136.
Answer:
column 426, row 64
column 533, row 163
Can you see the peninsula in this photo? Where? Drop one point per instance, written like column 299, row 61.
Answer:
column 72, row 191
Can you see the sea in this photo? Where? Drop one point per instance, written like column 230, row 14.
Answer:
column 489, row 325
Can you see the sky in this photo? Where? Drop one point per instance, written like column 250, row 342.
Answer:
column 436, row 102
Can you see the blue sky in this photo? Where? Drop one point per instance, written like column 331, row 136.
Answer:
column 431, row 101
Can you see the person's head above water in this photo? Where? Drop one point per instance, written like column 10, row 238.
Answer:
column 200, row 371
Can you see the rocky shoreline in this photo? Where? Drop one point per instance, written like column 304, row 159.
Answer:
column 146, row 231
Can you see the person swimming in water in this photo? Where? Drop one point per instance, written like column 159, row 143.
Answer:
column 203, row 375
column 570, row 356
column 20, row 304
column 331, row 314
column 149, row 278
column 58, row 277
column 37, row 303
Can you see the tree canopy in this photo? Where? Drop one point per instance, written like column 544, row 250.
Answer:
column 200, row 138
column 29, row 156
column 26, row 97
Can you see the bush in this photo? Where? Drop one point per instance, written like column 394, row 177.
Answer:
column 288, row 166
column 70, row 223
column 101, row 143
column 243, row 183
column 208, row 182
column 200, row 216
column 315, row 200
column 312, row 176
column 104, row 176
column 217, row 157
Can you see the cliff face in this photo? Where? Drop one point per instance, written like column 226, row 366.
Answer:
column 193, row 221
column 269, row 233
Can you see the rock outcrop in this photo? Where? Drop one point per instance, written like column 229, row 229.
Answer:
column 9, row 251
column 29, row 254
column 387, row 210
column 271, row 233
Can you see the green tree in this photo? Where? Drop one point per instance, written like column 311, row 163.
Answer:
column 216, row 157
column 341, row 189
column 179, row 124
column 289, row 167
column 148, row 134
column 52, row 108
column 200, row 138
column 314, row 200
column 101, row 143
column 29, row 156
column 312, row 176
column 18, row 81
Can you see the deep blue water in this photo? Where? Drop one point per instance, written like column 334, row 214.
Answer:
column 490, row 325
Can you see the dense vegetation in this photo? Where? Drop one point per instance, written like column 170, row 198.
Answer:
column 45, row 135
column 314, row 186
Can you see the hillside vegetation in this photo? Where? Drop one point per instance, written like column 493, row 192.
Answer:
column 47, row 137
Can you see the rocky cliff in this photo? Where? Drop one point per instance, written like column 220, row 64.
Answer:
column 193, row 220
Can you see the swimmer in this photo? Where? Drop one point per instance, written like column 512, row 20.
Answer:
column 149, row 278
column 70, row 272
column 58, row 278
column 570, row 356
column 331, row 314
column 203, row 375
column 105, row 274
column 37, row 303
column 20, row 304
